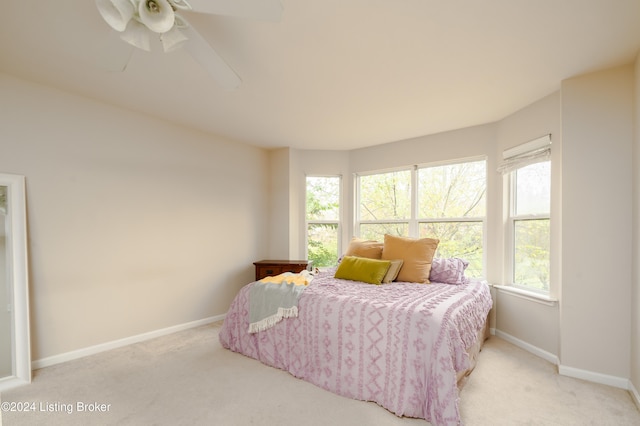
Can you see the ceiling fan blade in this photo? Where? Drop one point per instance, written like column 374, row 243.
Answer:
column 209, row 59
column 268, row 10
column 112, row 54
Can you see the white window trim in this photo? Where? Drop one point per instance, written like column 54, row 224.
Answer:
column 451, row 219
column 510, row 241
column 526, row 294
column 414, row 224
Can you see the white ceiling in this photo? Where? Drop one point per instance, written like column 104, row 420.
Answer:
column 333, row 74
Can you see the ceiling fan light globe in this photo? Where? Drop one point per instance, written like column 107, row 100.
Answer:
column 116, row 13
column 157, row 15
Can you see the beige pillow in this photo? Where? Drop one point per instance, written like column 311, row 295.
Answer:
column 417, row 255
column 364, row 248
column 393, row 271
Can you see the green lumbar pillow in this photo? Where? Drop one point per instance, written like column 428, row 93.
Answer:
column 370, row 271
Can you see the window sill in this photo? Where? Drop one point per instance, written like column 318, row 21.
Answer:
column 527, row 295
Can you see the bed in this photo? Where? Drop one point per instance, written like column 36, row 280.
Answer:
column 404, row 345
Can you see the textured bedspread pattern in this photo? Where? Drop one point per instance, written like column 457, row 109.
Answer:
column 399, row 345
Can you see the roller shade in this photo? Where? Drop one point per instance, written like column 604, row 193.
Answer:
column 523, row 155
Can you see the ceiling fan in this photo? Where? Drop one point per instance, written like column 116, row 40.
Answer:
column 139, row 21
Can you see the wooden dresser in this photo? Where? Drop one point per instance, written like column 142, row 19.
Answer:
column 267, row 268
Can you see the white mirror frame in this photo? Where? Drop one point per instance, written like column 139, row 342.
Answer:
column 19, row 280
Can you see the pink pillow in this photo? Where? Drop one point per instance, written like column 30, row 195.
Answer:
column 448, row 270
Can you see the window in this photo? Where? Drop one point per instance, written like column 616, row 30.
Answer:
column 445, row 202
column 530, row 226
column 452, row 208
column 384, row 204
column 323, row 219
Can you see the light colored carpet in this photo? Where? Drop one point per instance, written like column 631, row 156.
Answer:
column 187, row 378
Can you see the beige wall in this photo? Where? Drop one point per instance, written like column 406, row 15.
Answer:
column 597, row 135
column 134, row 224
column 463, row 143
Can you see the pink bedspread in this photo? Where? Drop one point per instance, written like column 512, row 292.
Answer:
column 398, row 344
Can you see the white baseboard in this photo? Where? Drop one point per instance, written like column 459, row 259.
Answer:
column 634, row 394
column 11, row 382
column 547, row 356
column 92, row 350
column 590, row 376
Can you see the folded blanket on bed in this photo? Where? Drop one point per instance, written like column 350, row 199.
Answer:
column 273, row 298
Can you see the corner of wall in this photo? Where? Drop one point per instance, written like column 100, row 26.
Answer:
column 635, row 307
column 278, row 205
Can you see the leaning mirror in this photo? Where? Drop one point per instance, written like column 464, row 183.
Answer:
column 15, row 353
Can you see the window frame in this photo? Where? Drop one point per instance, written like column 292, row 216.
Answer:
column 358, row 221
column 414, row 222
column 512, row 220
column 482, row 220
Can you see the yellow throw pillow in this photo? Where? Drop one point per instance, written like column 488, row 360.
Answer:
column 370, row 271
column 417, row 255
column 364, row 248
